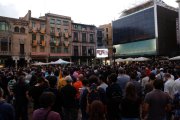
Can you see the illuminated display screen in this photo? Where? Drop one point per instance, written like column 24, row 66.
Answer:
column 101, row 53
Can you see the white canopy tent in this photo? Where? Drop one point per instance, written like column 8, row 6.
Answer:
column 141, row 59
column 60, row 61
column 39, row 63
column 175, row 58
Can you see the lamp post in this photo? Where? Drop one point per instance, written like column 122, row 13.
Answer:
column 114, row 51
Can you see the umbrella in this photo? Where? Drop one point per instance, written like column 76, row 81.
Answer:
column 120, row 60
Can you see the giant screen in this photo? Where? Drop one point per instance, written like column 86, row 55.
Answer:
column 134, row 27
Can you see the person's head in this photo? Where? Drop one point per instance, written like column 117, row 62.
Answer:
column 52, row 81
column 112, row 78
column 93, row 79
column 158, row 84
column 80, row 77
column 97, row 110
column 130, row 91
column 47, row 99
column 68, row 79
column 167, row 76
column 133, row 75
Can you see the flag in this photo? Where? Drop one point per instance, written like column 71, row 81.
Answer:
column 61, row 81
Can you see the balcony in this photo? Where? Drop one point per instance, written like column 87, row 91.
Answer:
column 43, row 30
column 66, row 35
column 34, row 43
column 43, row 43
column 5, row 53
column 39, row 54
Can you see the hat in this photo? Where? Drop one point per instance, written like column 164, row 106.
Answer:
column 68, row 79
column 161, row 69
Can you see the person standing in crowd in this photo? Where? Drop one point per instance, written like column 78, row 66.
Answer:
column 133, row 75
column 6, row 110
column 47, row 100
column 83, row 99
column 157, row 103
column 36, row 90
column 102, row 81
column 97, row 111
column 21, row 98
column 122, row 79
column 114, row 96
column 169, row 84
column 130, row 105
column 68, row 97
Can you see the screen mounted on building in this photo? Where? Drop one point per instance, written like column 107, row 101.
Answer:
column 134, row 27
column 101, row 53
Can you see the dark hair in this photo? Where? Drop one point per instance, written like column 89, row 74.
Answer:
column 158, row 84
column 113, row 77
column 52, row 81
column 152, row 76
column 97, row 110
column 130, row 91
column 93, row 79
column 47, row 99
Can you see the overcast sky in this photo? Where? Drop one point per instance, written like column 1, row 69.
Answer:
column 96, row 12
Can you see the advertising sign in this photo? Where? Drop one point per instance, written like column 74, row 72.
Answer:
column 101, row 53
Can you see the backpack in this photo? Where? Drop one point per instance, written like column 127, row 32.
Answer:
column 93, row 94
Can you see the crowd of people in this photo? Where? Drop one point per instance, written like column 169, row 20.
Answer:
column 127, row 91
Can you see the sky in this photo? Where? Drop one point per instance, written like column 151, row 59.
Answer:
column 93, row 12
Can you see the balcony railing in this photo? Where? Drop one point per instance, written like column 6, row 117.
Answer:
column 5, row 53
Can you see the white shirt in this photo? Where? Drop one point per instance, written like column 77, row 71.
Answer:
column 177, row 85
column 169, row 87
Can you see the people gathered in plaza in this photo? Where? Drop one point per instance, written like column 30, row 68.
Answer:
column 127, row 91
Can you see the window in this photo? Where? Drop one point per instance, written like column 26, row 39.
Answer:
column 33, row 24
column 91, row 51
column 4, row 45
column 4, row 26
column 58, row 22
column 22, row 49
column 65, row 50
column 52, row 49
column 58, row 49
column 58, row 30
column 75, row 26
column 75, row 36
column 52, row 39
column 83, row 27
column 52, row 30
column 76, row 52
column 84, row 51
column 66, row 23
column 91, row 28
column 16, row 29
column 106, row 29
column 33, row 49
column 91, row 37
column 42, row 49
column 52, row 21
column 83, row 37
column 33, row 36
column 22, row 30
column 42, row 25
column 41, row 38
column 65, row 30
column 107, row 36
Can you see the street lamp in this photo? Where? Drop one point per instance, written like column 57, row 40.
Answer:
column 114, row 51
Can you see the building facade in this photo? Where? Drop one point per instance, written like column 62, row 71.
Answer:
column 45, row 39
column 104, row 41
column 148, row 29
column 83, row 43
column 13, row 41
